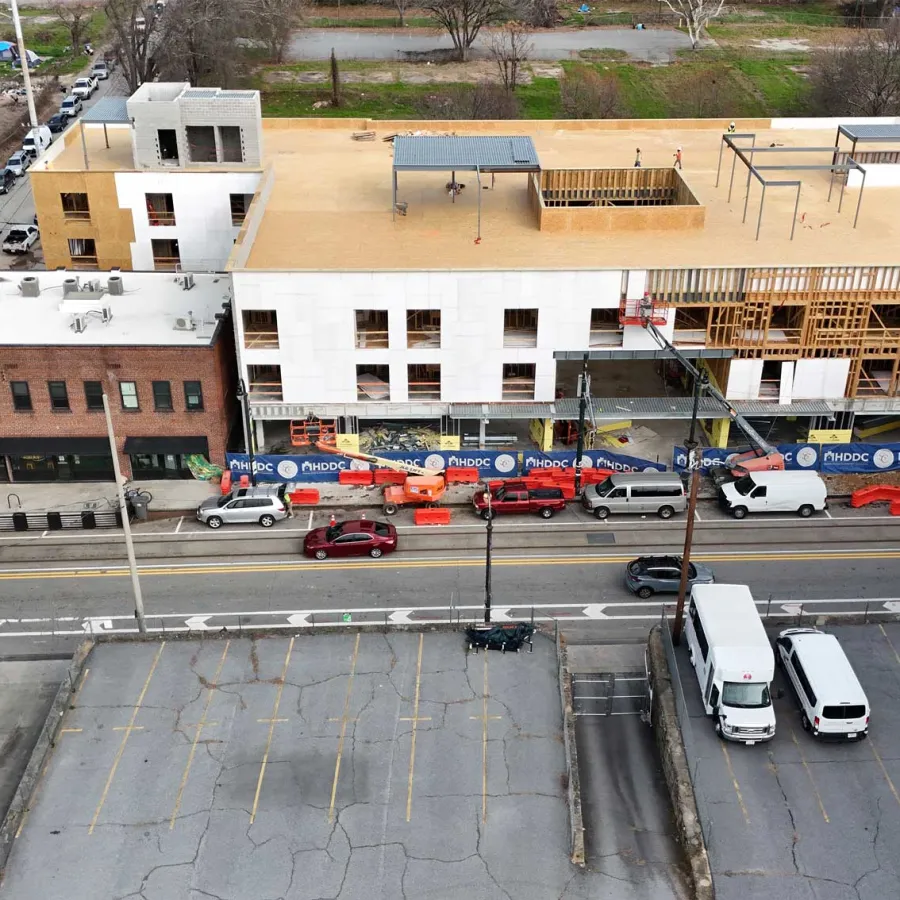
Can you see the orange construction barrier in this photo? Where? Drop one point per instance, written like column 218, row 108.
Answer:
column 304, row 497
column 440, row 516
column 353, row 476
column 877, row 493
column 225, row 483
column 461, row 476
column 389, row 476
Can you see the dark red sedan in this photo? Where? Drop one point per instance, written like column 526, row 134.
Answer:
column 358, row 537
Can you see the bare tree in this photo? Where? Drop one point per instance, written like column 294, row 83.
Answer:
column 860, row 77
column 695, row 15
column 273, row 22
column 135, row 35
column 77, row 18
column 401, row 6
column 510, row 48
column 539, row 13
column 464, row 19
column 335, row 81
column 586, row 94
column 483, row 101
column 706, row 94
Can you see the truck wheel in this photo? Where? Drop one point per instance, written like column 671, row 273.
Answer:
column 739, row 512
column 665, row 512
column 546, row 513
column 805, row 511
column 805, row 723
column 601, row 512
column 390, row 509
column 487, row 514
column 719, row 727
column 431, row 506
column 645, row 592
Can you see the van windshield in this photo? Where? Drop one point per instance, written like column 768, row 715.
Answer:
column 605, row 487
column 744, row 485
column 746, row 694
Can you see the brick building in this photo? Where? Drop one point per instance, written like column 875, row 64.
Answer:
column 162, row 349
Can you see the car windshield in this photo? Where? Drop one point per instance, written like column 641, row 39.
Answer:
column 334, row 531
column 16, row 236
column 746, row 694
column 223, row 500
column 13, row 161
column 744, row 485
column 605, row 487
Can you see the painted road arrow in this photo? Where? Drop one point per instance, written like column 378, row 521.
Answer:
column 298, row 619
column 400, row 617
column 595, row 611
column 197, row 623
column 97, row 626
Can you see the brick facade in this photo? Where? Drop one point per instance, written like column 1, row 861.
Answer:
column 212, row 365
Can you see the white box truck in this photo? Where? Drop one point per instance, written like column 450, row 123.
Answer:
column 733, row 659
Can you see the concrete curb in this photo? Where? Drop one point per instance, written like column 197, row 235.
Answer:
column 573, row 778
column 674, row 762
column 30, row 781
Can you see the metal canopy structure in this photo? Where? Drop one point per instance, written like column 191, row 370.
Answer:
column 491, row 154
column 868, row 134
column 619, row 353
column 106, row 111
column 745, row 154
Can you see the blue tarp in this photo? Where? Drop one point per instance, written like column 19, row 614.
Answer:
column 597, row 459
column 830, row 459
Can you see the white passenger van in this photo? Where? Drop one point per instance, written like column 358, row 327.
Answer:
column 797, row 492
column 733, row 659
column 832, row 701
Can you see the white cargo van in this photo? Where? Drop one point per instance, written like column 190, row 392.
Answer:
column 832, row 701
column 37, row 141
column 733, row 660
column 797, row 492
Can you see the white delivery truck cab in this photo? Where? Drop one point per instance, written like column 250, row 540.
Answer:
column 733, row 659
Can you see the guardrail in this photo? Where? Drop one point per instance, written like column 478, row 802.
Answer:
column 21, row 521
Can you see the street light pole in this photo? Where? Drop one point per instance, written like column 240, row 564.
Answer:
column 244, row 400
column 487, row 561
column 582, row 409
column 126, row 524
column 694, row 465
column 23, row 59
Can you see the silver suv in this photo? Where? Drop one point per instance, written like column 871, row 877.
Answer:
column 265, row 504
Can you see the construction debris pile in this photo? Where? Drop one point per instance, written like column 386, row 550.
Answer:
column 408, row 440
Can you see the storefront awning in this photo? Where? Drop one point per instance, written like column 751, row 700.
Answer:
column 55, row 446
column 197, row 444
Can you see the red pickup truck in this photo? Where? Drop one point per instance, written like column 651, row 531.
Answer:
column 517, row 497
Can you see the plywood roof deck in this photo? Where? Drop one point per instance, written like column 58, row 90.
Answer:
column 330, row 205
column 118, row 157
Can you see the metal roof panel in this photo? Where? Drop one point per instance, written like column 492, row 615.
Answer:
column 485, row 152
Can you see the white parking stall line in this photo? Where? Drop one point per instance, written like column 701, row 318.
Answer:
column 309, row 523
column 830, row 516
column 180, row 523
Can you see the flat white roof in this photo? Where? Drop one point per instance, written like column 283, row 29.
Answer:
column 828, row 668
column 144, row 315
column 730, row 617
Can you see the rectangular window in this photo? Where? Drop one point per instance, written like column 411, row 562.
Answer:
column 59, row 395
column 423, row 329
column 193, row 396
column 166, row 256
column 373, row 383
column 265, row 382
column 232, row 145
column 83, row 252
column 160, row 209
column 129, row 394
column 75, row 206
column 843, row 712
column 260, row 329
column 702, row 642
column 804, row 681
column 201, row 141
column 371, row 329
column 21, row 396
column 168, row 145
column 93, row 394
column 162, row 396
column 240, row 206
column 424, row 381
column 520, row 327
column 518, row 381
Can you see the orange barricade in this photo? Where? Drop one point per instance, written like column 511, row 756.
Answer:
column 352, row 476
column 389, row 476
column 304, row 497
column 461, row 476
column 440, row 516
column 226, row 482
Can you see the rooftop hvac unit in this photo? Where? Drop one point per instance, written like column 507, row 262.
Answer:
column 185, row 323
column 90, row 287
column 79, row 323
column 70, row 285
column 30, row 286
column 116, row 285
column 106, row 315
column 187, row 281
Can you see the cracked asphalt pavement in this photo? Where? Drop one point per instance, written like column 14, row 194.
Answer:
column 798, row 819
column 327, row 766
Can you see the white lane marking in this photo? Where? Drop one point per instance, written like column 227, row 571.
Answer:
column 309, row 523
column 178, row 526
column 697, row 516
column 830, row 516
column 45, row 534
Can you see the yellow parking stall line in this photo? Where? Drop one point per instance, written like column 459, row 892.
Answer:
column 890, row 644
column 812, row 780
column 415, row 721
column 485, row 718
column 272, row 721
column 128, row 730
column 884, row 771
column 734, row 782
column 213, row 686
column 70, row 730
column 344, row 720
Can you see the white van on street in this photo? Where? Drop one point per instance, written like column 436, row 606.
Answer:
column 733, row 661
column 832, row 701
column 802, row 493
column 37, row 141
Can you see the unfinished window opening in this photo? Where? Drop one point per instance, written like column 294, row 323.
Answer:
column 786, row 324
column 232, row 145
column 167, row 140
column 373, row 383
column 770, row 384
column 371, row 329
column 166, row 257
column 265, row 382
column 690, row 326
column 83, row 252
column 240, row 206
column 201, row 140
column 877, row 378
column 424, row 382
column 423, row 329
column 518, row 381
column 884, row 315
column 160, row 209
column 605, row 328
column 520, row 327
column 75, row 206
column 260, row 329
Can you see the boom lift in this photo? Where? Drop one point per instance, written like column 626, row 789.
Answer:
column 422, row 487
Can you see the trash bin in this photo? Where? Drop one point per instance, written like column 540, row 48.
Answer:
column 141, row 513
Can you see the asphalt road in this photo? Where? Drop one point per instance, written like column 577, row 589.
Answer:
column 658, row 45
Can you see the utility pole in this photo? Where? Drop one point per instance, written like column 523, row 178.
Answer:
column 126, row 524
column 692, row 446
column 582, row 409
column 244, row 400
column 23, row 59
column 487, row 561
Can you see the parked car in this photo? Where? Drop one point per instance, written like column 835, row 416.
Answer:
column 84, row 87
column 265, row 504
column 58, row 122
column 357, row 537
column 20, row 238
column 37, row 141
column 517, row 497
column 649, row 575
column 18, row 163
column 7, row 180
column 100, row 70
column 71, row 106
column 636, row 492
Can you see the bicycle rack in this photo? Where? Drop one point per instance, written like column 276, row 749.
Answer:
column 9, row 501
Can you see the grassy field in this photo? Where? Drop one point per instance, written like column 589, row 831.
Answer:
column 50, row 39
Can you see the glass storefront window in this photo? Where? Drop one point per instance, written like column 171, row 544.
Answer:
column 153, row 466
column 61, row 468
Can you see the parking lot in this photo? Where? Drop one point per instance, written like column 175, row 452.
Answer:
column 351, row 766
column 797, row 819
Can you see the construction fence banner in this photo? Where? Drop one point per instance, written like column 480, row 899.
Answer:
column 325, row 467
column 829, row 459
column 591, row 459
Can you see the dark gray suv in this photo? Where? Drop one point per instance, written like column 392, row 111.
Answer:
column 649, row 575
